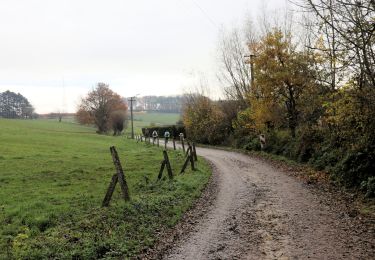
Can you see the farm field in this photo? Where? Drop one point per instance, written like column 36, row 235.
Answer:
column 53, row 177
column 144, row 119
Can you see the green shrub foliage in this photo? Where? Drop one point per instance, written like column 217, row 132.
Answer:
column 174, row 130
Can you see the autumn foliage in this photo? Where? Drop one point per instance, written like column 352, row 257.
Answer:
column 313, row 100
column 103, row 108
column 204, row 120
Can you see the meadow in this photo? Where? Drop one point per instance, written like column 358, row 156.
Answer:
column 53, row 178
column 145, row 119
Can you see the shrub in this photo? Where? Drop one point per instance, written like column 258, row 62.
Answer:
column 204, row 120
column 174, row 130
column 370, row 187
column 357, row 166
column 253, row 144
column 118, row 119
column 309, row 142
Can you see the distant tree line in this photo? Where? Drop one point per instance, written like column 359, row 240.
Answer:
column 310, row 90
column 13, row 105
column 166, row 104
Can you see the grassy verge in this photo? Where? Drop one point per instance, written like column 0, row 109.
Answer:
column 53, row 177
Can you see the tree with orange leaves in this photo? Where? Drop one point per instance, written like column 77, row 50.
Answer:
column 100, row 107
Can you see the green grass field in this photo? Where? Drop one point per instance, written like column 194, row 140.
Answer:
column 144, row 119
column 157, row 118
column 53, row 177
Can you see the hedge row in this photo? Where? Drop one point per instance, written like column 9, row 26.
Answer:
column 174, row 130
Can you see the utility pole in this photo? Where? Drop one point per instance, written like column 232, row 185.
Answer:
column 251, row 61
column 132, row 99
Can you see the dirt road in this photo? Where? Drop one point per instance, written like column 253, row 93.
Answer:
column 259, row 212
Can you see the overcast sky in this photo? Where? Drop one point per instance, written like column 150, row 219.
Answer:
column 52, row 49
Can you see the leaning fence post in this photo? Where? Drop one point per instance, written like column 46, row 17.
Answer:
column 164, row 163
column 118, row 177
column 190, row 159
column 110, row 191
column 185, row 165
column 120, row 173
column 191, row 156
column 161, row 169
column 183, row 144
column 169, row 168
column 195, row 153
column 188, row 150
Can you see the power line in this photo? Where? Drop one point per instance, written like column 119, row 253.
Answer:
column 205, row 14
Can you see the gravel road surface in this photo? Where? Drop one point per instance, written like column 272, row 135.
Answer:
column 254, row 210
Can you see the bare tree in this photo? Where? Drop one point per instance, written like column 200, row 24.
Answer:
column 235, row 73
column 350, row 34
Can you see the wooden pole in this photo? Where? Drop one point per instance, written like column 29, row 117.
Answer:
column 188, row 150
column 185, row 165
column 161, row 169
column 183, row 144
column 169, row 168
column 120, row 174
column 132, row 99
column 192, row 160
column 174, row 144
column 195, row 153
column 118, row 177
column 110, row 191
column 164, row 163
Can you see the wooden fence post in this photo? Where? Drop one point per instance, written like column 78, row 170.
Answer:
column 188, row 150
column 174, row 144
column 158, row 141
column 169, row 168
column 191, row 156
column 195, row 153
column 185, row 165
column 190, row 159
column 164, row 163
column 183, row 144
column 118, row 177
column 110, row 191
column 161, row 169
